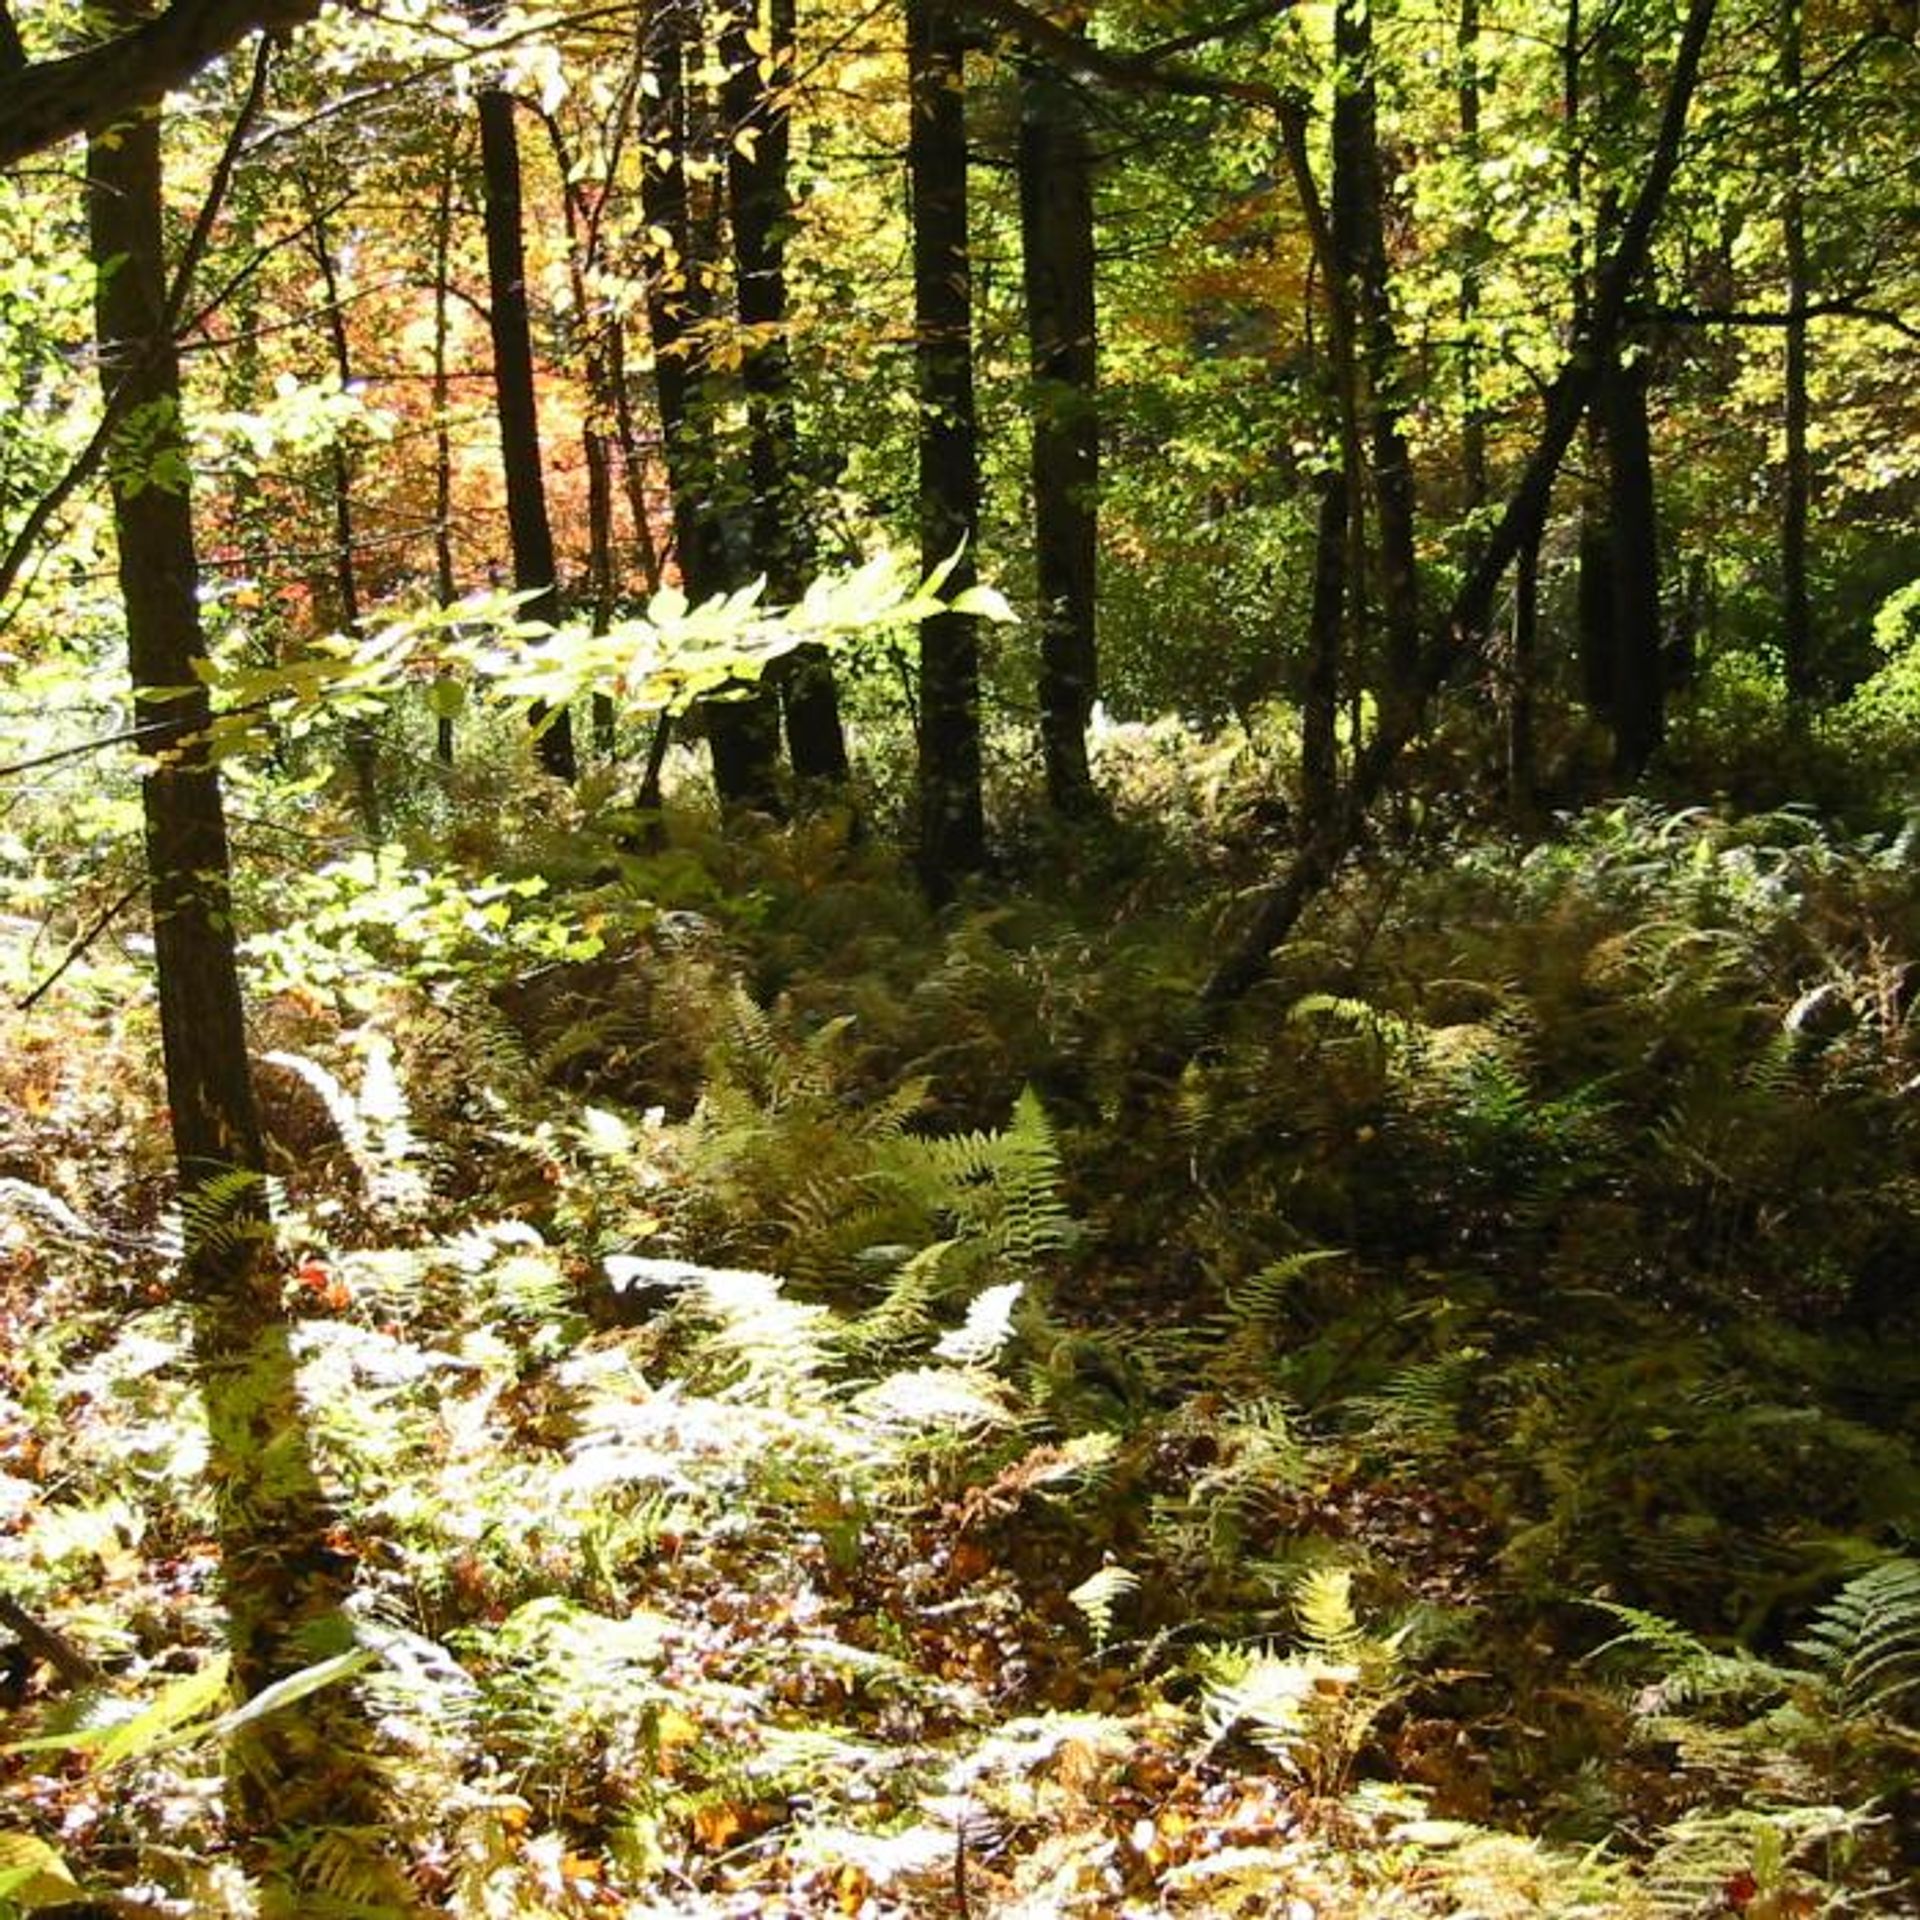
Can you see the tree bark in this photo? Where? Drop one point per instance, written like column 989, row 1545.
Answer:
column 742, row 735
column 445, row 583
column 1320, row 691
column 1796, row 610
column 274, row 1566
column 363, row 741
column 534, row 572
column 952, row 814
column 1523, row 778
column 1361, row 235
column 1473, row 419
column 1639, row 676
column 1057, row 253
column 47, row 101
column 758, row 113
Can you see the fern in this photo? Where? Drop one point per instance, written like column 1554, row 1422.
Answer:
column 1098, row 1594
column 1865, row 1642
column 374, row 1125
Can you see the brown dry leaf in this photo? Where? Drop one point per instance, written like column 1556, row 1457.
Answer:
column 718, row 1825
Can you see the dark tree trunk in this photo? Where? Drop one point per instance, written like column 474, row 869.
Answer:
column 209, row 1086
column 1639, row 674
column 273, row 1564
column 363, row 740
column 1320, row 691
column 1473, row 419
column 534, row 572
column 743, row 735
column 1361, row 235
column 445, row 586
column 952, row 816
column 757, row 105
column 1523, row 777
column 1796, row 611
column 1057, row 251
column 1594, row 585
column 596, row 446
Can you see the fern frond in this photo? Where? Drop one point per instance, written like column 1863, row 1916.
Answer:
column 1097, row 1595
column 1866, row 1641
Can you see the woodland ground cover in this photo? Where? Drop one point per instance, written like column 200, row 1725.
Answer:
column 801, row 1445
column 680, row 1234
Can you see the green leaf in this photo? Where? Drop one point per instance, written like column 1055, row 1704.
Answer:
column 988, row 603
column 185, row 1701
column 33, row 1875
column 296, row 1686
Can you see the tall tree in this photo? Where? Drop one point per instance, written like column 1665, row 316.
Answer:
column 363, row 743
column 744, row 733
column 509, row 317
column 758, row 55
column 275, row 1566
column 1057, row 255
column 1796, row 610
column 1361, row 239
column 953, row 834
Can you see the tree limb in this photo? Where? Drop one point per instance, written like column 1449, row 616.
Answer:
column 46, row 101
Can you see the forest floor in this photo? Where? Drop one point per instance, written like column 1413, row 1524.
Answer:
column 1456, row 1453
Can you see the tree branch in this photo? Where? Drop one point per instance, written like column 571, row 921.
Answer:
column 46, row 101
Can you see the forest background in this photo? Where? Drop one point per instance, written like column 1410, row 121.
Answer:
column 962, row 957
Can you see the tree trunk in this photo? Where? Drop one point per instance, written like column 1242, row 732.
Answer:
column 1461, row 635
column 534, row 572
column 952, row 815
column 1796, row 611
column 273, row 1563
column 1361, row 236
column 758, row 107
column 1320, row 692
column 743, row 735
column 445, row 587
column 363, row 740
column 1057, row 252
column 1523, row 777
column 1639, row 674
column 1473, row 419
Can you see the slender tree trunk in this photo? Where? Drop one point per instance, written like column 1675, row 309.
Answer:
column 596, row 446
column 952, row 816
column 743, row 735
column 534, row 571
column 445, row 585
column 272, row 1526
column 1796, row 612
column 1594, row 582
column 1523, row 776
column 1473, row 418
column 1639, row 675
column 1593, row 590
column 1356, row 136
column 1057, row 253
column 1320, row 693
column 1461, row 635
column 758, row 113
column 363, row 740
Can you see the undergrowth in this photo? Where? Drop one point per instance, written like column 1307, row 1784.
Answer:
column 809, row 1440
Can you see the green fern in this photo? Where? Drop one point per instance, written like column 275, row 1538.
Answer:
column 1866, row 1642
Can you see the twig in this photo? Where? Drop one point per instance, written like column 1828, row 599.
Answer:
column 99, row 926
column 44, row 1643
